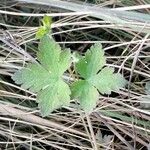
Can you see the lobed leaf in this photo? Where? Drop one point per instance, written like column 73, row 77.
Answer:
column 105, row 81
column 45, row 77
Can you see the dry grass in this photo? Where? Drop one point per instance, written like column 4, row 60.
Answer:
column 119, row 121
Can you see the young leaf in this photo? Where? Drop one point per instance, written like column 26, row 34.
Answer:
column 41, row 32
column 47, row 21
column 45, row 77
column 45, row 28
column 105, row 81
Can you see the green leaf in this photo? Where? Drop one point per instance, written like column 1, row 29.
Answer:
column 45, row 28
column 105, row 81
column 41, row 32
column 47, row 21
column 45, row 77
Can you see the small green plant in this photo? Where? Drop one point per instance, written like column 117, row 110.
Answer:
column 46, row 77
